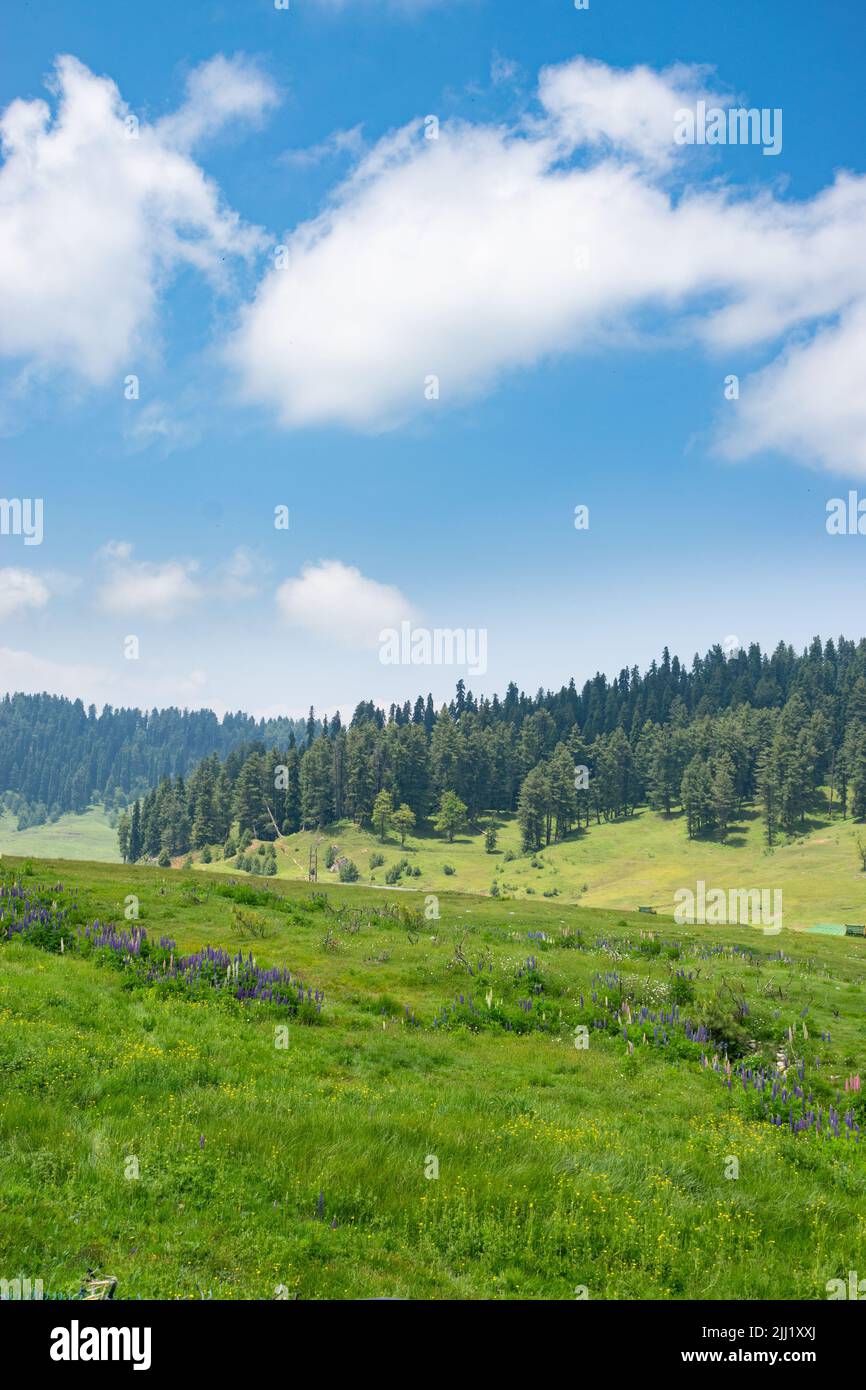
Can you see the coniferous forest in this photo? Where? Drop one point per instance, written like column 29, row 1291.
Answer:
column 785, row 731
column 57, row 756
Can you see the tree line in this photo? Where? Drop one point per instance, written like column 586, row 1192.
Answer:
column 57, row 756
column 785, row 732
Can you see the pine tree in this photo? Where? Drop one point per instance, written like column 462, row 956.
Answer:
column 404, row 821
column 532, row 808
column 383, row 810
column 451, row 816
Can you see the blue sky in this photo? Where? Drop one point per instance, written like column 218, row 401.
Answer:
column 303, row 385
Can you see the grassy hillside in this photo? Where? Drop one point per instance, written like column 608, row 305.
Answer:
column 625, row 864
column 621, row 864
column 606, row 1168
column 88, row 836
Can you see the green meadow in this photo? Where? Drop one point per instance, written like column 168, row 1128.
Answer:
column 404, row 1144
column 636, row 861
column 85, row 836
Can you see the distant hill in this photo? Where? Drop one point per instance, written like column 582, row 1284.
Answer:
column 56, row 756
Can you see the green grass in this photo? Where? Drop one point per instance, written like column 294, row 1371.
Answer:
column 88, row 836
column 639, row 861
column 558, row 1167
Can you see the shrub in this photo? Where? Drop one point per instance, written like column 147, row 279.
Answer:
column 206, row 856
column 392, row 875
column 230, row 849
column 349, row 872
column 164, row 860
column 448, row 869
column 682, row 991
column 376, row 859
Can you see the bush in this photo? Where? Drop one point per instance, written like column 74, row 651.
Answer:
column 349, row 872
column 682, row 991
column 164, row 860
column 331, row 855
column 448, row 869
column 724, row 1027
column 206, row 856
column 402, row 866
column 230, row 849
column 376, row 859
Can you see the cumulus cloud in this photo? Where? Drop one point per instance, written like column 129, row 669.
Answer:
column 220, row 92
column 337, row 601
column 20, row 590
column 810, row 404
column 97, row 212
column 139, row 587
column 493, row 247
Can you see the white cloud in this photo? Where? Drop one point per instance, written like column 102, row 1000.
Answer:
column 31, row 674
column 115, row 550
column 140, row 588
column 93, row 222
column 616, row 110
column 218, row 93
column 159, row 424
column 337, row 601
column 338, row 143
column 237, row 577
column 460, row 258
column 139, row 685
column 811, row 404
column 20, row 589
column 503, row 70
